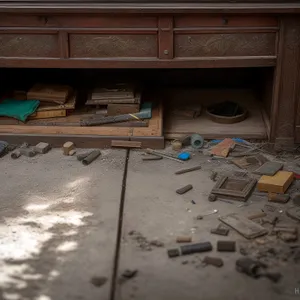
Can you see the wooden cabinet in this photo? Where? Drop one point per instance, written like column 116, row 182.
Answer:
column 169, row 34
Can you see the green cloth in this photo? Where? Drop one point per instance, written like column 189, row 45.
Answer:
column 18, row 109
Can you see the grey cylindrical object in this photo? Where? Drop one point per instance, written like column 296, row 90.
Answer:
column 248, row 266
column 197, row 141
column 91, row 157
column 228, row 246
column 173, row 252
column 16, row 154
column 195, row 248
column 82, row 156
column 184, row 189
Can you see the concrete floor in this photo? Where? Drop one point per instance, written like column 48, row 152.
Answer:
column 59, row 229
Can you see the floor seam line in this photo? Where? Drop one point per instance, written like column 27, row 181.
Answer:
column 119, row 230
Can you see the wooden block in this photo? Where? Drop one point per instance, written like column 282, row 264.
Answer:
column 121, row 109
column 42, row 148
column 67, row 147
column 278, row 183
column 125, row 144
column 48, row 114
column 223, row 148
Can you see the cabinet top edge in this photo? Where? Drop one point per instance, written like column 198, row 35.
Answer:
column 170, row 7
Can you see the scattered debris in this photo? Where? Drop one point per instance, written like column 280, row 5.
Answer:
column 226, row 246
column 98, row 281
column 67, row 147
column 212, row 198
column 193, row 202
column 249, row 163
column 82, row 156
column 278, row 198
column 214, row 261
column 208, row 213
column 157, row 243
column 91, row 157
column 173, row 252
column 236, row 189
column 72, row 152
column 184, row 239
column 225, row 201
column 184, row 156
column 296, row 199
column 213, row 176
column 278, row 183
column 184, row 262
column 176, row 145
column 258, row 215
column 195, row 248
column 29, row 152
column 42, row 148
column 188, row 170
column 151, row 157
column 168, row 156
column 143, row 243
column 129, row 273
column 269, row 168
column 197, row 141
column 220, row 230
column 245, row 204
column 294, row 213
column 15, row 154
column 244, row 226
column 184, row 189
column 255, row 269
column 223, row 148
column 269, row 207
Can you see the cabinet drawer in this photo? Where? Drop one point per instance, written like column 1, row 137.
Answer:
column 29, row 45
column 226, row 44
column 105, row 46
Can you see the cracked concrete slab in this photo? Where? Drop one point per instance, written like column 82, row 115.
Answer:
column 58, row 225
column 153, row 209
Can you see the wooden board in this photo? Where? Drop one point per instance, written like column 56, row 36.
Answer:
column 125, row 144
column 48, row 114
column 121, row 109
column 244, row 226
column 153, row 130
column 178, row 127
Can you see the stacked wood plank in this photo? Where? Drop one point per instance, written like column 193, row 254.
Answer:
column 55, row 100
column 119, row 99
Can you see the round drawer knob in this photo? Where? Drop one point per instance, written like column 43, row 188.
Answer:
column 166, row 52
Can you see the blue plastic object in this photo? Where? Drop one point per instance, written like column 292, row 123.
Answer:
column 238, row 140
column 184, row 156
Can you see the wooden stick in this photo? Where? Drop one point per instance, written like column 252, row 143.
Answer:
column 168, row 156
column 188, row 170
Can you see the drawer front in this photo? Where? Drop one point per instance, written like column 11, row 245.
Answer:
column 29, row 45
column 226, row 44
column 106, row 46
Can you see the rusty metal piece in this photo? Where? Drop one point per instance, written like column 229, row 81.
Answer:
column 278, row 198
column 149, row 158
column 214, row 261
column 184, row 239
column 220, row 231
column 257, row 215
column 29, row 152
column 173, row 252
column 196, row 248
column 228, row 246
column 184, row 189
column 188, row 170
column 16, row 154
